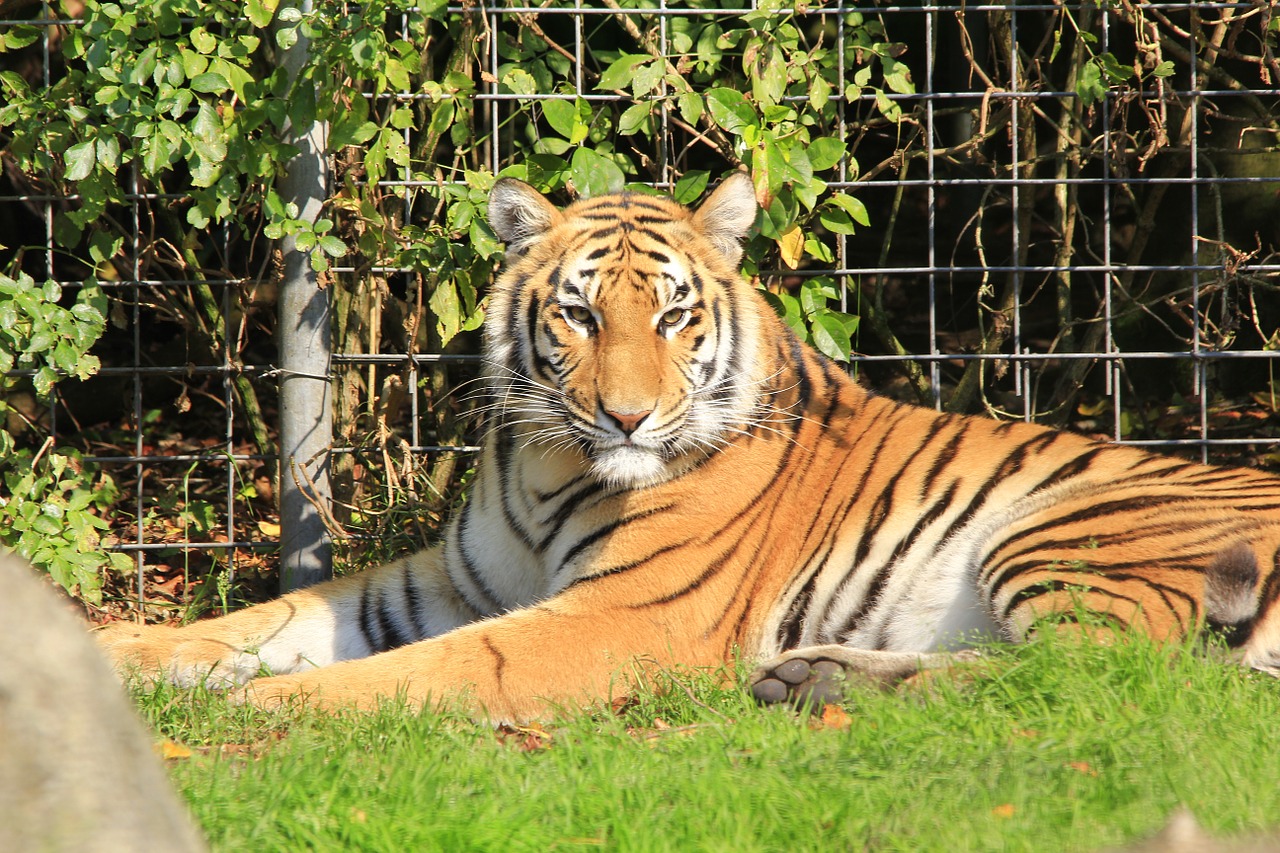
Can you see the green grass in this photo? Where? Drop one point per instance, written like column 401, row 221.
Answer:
column 1055, row 747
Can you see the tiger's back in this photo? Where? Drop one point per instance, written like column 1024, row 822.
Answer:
column 668, row 474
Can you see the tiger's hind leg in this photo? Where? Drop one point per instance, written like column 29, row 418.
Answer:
column 816, row 675
column 1165, row 597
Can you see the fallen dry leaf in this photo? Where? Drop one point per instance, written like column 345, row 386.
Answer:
column 1082, row 767
column 168, row 749
column 835, row 717
column 524, row 738
column 1003, row 811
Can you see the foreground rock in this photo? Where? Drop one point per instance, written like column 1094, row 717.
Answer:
column 77, row 771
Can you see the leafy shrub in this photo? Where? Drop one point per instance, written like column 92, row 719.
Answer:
column 52, row 505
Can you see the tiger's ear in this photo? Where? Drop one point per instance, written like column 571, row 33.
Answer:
column 726, row 216
column 519, row 214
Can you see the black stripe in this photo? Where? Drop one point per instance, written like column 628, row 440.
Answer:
column 1098, row 510
column 1112, row 571
column 1270, row 591
column 945, row 455
column 492, row 601
column 779, row 486
column 413, row 602
column 804, row 388
column 792, row 626
column 540, row 364
column 1050, row 585
column 368, row 619
column 605, row 529
column 513, row 320
column 695, row 279
column 393, row 636
column 504, row 450
column 499, row 661
column 553, row 525
column 714, row 567
column 626, row 567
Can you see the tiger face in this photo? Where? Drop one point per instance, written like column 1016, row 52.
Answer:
column 616, row 329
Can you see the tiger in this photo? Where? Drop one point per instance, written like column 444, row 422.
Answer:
column 670, row 478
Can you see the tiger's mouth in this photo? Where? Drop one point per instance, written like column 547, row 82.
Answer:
column 626, row 464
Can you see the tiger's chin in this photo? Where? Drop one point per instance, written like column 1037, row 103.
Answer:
column 630, row 467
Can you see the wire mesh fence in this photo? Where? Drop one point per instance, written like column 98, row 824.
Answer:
column 1061, row 212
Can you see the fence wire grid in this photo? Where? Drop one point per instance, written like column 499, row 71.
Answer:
column 1102, row 259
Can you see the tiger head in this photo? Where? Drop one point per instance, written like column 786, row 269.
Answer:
column 621, row 328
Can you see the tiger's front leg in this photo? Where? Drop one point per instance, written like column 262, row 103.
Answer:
column 514, row 667
column 351, row 617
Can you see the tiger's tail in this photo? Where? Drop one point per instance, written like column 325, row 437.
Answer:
column 1237, row 609
column 1230, row 588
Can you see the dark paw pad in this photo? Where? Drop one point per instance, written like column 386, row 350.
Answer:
column 801, row 684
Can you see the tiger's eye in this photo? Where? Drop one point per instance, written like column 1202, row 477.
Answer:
column 579, row 314
column 674, row 317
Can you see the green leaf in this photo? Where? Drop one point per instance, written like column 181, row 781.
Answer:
column 203, row 41
column 442, row 117
column 897, row 75
column 691, row 186
column 825, row 153
column 853, row 206
column 645, row 78
column 1113, row 69
column 731, row 110
column 397, row 74
column 819, row 250
column 144, row 65
column 690, row 107
column 107, row 152
column 210, row 82
column 260, row 12
column 18, row 37
column 831, row 337
column 1089, row 85
column 620, row 72
column 636, row 118
column 332, row 246
column 819, row 92
column 520, row 82
column 447, row 307
column 80, row 159
column 594, row 174
column 1164, row 69
column 888, row 107
column 814, row 295
column 836, row 221
column 788, row 308
column 562, row 115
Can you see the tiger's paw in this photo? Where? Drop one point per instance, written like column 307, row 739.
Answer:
column 798, row 682
column 321, row 689
column 270, row 693
column 817, row 675
column 156, row 653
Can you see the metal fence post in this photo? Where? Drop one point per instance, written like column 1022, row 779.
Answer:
column 306, row 410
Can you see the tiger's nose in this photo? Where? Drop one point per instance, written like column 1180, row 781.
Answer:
column 628, row 422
